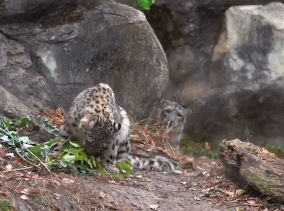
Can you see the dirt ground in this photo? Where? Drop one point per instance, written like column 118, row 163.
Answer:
column 36, row 189
column 29, row 190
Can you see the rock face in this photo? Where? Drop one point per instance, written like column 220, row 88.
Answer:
column 10, row 106
column 189, row 31
column 226, row 64
column 73, row 46
column 247, row 76
column 253, row 65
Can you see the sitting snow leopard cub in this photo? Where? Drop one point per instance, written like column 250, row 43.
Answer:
column 103, row 129
column 173, row 115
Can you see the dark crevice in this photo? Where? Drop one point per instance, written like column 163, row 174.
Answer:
column 159, row 17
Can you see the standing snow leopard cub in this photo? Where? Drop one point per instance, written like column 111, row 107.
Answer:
column 103, row 129
column 173, row 115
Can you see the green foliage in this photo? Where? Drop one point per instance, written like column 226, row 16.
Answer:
column 125, row 167
column 44, row 124
column 118, row 176
column 42, row 150
column 10, row 136
column 76, row 159
column 213, row 155
column 145, row 4
column 192, row 148
column 5, row 205
column 73, row 156
column 189, row 147
column 22, row 122
column 277, row 150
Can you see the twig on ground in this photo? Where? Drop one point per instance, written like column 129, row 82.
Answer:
column 24, row 159
column 21, row 169
column 43, row 164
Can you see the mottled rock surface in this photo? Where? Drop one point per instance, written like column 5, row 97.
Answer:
column 10, row 106
column 73, row 46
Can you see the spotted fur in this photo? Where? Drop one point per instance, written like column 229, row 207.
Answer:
column 103, row 129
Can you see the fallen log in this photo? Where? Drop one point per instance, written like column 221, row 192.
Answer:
column 263, row 170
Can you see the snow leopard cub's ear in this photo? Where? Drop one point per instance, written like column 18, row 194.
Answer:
column 90, row 121
column 187, row 111
column 164, row 102
column 94, row 121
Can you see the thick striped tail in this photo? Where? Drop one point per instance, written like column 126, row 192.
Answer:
column 157, row 163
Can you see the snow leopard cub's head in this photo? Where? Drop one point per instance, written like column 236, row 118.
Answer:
column 172, row 114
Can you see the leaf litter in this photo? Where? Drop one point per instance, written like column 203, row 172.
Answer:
column 40, row 190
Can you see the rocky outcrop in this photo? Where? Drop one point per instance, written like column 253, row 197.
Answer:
column 247, row 76
column 10, row 106
column 18, row 76
column 252, row 62
column 189, row 31
column 73, row 46
column 225, row 66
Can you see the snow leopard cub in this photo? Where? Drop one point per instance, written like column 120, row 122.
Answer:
column 103, row 129
column 173, row 115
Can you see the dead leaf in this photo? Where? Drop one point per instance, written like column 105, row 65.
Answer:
column 24, row 197
column 8, row 167
column 239, row 192
column 251, row 202
column 189, row 163
column 153, row 207
column 57, row 195
column 230, row 193
column 103, row 194
column 55, row 182
column 67, row 181
column 31, row 191
column 178, row 172
column 193, row 184
column 112, row 181
column 34, row 192
column 4, row 191
column 197, row 199
column 10, row 155
column 207, row 147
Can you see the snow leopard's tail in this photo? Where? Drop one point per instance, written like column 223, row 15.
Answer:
column 158, row 163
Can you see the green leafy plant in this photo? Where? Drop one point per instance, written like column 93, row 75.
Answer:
column 145, row 4
column 213, row 155
column 22, row 122
column 277, row 150
column 73, row 156
column 5, row 205
column 42, row 150
column 192, row 148
column 10, row 136
column 125, row 167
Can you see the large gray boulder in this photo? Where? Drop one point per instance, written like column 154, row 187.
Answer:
column 247, row 101
column 188, row 31
column 23, row 10
column 88, row 44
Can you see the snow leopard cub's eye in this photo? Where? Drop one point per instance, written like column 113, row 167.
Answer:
column 179, row 114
